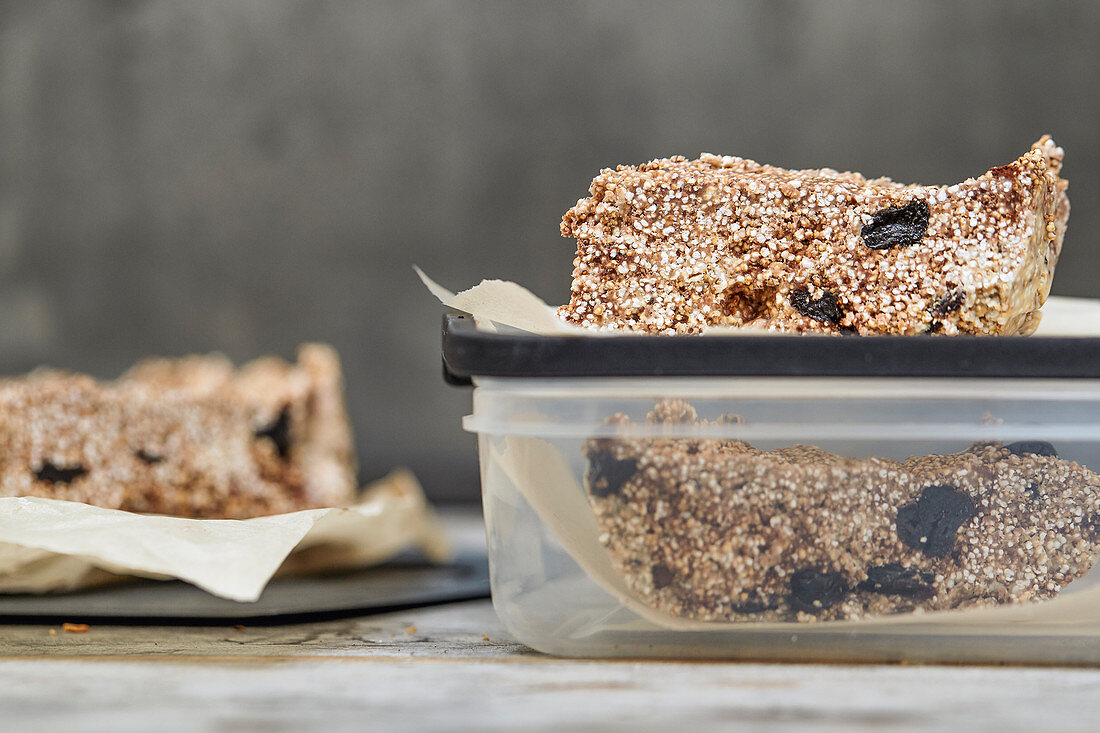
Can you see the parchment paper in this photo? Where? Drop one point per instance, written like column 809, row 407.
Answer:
column 543, row 477
column 495, row 303
column 50, row 545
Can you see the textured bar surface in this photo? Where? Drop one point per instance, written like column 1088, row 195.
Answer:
column 190, row 437
column 717, row 530
column 675, row 246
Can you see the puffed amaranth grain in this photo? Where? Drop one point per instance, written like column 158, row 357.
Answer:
column 717, row 530
column 189, row 437
column 677, row 245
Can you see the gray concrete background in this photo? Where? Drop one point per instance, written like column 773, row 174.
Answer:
column 245, row 176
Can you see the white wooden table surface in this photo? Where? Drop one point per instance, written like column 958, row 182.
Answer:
column 453, row 668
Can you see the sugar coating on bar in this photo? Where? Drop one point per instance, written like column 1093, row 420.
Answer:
column 676, row 246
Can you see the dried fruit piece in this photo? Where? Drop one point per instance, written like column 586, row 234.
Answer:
column 931, row 523
column 607, row 474
column 824, row 309
column 59, row 474
column 949, row 303
column 278, row 432
column 662, row 576
column 897, row 226
column 1034, row 447
column 813, row 590
column 896, row 580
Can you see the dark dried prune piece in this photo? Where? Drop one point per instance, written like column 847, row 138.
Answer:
column 607, row 474
column 278, row 432
column 662, row 576
column 932, row 521
column 59, row 474
column 814, row 590
column 824, row 309
column 147, row 457
column 949, row 303
column 895, row 580
column 897, row 226
column 1032, row 447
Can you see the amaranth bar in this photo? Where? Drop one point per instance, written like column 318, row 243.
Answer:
column 717, row 530
column 676, row 245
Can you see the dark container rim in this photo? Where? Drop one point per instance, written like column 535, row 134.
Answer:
column 469, row 352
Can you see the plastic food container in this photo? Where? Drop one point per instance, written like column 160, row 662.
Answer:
column 790, row 497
